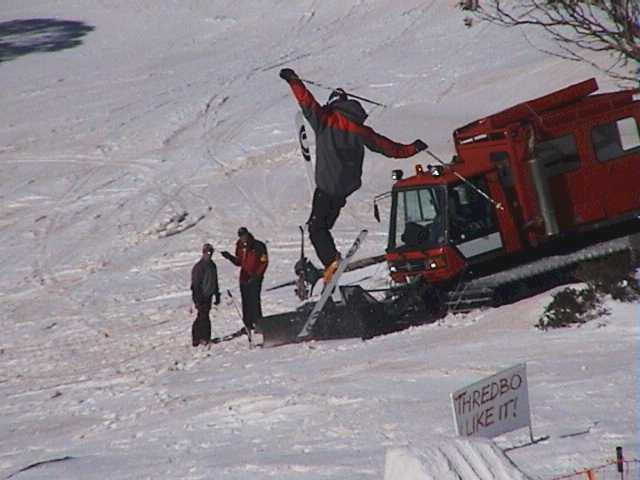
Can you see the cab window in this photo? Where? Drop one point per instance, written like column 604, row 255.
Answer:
column 419, row 217
column 470, row 215
column 616, row 139
column 558, row 155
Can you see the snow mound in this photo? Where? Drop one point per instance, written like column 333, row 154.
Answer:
column 451, row 459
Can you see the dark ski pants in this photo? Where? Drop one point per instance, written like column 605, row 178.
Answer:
column 201, row 328
column 324, row 213
column 251, row 304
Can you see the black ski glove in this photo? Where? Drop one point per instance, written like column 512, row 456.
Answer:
column 227, row 255
column 288, row 74
column 420, row 145
column 217, row 302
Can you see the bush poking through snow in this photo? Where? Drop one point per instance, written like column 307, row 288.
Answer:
column 613, row 276
column 572, row 307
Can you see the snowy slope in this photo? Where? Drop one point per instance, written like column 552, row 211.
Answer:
column 172, row 106
column 451, row 459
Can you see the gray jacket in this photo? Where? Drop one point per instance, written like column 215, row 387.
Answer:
column 204, row 281
column 340, row 140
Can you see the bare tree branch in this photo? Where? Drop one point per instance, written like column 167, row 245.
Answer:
column 578, row 27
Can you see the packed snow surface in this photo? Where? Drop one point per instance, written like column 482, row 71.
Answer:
column 451, row 459
column 125, row 122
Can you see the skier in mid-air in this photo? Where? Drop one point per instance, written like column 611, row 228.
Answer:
column 340, row 140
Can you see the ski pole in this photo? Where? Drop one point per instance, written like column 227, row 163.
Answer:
column 358, row 97
column 498, row 205
column 248, row 330
column 233, row 300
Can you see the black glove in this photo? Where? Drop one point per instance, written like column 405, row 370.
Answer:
column 288, row 74
column 420, row 145
column 227, row 255
column 217, row 302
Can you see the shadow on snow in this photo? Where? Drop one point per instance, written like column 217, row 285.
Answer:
column 21, row 37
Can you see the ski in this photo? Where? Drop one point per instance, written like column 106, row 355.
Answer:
column 306, row 144
column 353, row 266
column 302, row 290
column 288, row 283
column 308, row 274
column 330, row 287
column 228, row 337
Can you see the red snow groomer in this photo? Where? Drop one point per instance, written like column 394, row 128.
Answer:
column 532, row 192
column 533, row 189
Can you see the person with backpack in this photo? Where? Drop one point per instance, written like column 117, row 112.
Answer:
column 341, row 136
column 252, row 258
column 204, row 286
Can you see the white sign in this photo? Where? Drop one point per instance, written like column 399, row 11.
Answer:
column 494, row 405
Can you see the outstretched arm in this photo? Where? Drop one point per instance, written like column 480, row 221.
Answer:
column 233, row 259
column 387, row 147
column 311, row 109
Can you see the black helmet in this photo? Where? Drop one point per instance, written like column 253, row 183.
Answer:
column 243, row 231
column 337, row 94
column 207, row 248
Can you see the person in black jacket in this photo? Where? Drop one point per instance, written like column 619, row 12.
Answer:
column 204, row 286
column 340, row 140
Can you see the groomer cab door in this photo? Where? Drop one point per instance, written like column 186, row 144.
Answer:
column 472, row 223
column 616, row 150
column 573, row 179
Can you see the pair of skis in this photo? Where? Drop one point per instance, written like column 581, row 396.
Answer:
column 232, row 336
column 331, row 286
column 228, row 337
column 308, row 275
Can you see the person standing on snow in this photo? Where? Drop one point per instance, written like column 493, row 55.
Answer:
column 340, row 140
column 204, row 286
column 252, row 258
